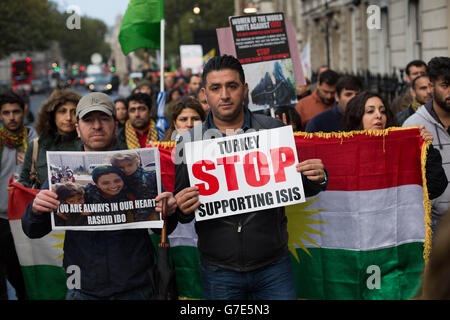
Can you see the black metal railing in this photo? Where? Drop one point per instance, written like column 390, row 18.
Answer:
column 387, row 85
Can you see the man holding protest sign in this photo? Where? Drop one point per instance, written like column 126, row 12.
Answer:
column 243, row 254
column 111, row 264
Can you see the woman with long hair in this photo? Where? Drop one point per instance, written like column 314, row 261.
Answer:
column 369, row 111
column 55, row 126
column 186, row 113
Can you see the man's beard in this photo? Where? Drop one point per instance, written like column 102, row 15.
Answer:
column 14, row 131
column 108, row 145
column 441, row 102
column 323, row 99
column 142, row 126
column 228, row 117
column 424, row 100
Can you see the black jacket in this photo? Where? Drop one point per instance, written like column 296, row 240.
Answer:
column 435, row 174
column 242, row 242
column 121, row 140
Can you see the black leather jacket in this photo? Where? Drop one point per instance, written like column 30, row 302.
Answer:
column 246, row 241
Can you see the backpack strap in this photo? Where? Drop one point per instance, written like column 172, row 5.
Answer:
column 34, row 179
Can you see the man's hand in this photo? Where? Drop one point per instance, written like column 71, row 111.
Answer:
column 187, row 200
column 425, row 134
column 284, row 118
column 171, row 202
column 313, row 169
column 20, row 157
column 45, row 201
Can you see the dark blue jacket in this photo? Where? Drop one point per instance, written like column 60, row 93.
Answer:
column 110, row 261
column 327, row 121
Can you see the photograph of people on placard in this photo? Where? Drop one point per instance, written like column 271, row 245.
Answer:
column 105, row 190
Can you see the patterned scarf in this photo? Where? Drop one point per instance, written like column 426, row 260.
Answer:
column 11, row 140
column 415, row 104
column 131, row 135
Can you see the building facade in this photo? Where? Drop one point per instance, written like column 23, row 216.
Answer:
column 356, row 35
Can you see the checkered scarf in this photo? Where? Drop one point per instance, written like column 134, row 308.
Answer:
column 131, row 135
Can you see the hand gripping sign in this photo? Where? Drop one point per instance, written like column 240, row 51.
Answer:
column 244, row 173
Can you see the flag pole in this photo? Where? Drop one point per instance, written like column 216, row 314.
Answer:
column 161, row 124
column 161, row 84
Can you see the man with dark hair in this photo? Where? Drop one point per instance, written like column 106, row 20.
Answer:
column 246, row 254
column 421, row 92
column 320, row 100
column 330, row 120
column 195, row 82
column 114, row 265
column 14, row 139
column 139, row 129
column 413, row 69
column 435, row 116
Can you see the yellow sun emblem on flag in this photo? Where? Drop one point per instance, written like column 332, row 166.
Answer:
column 298, row 225
column 59, row 245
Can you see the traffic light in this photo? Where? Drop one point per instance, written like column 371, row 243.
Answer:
column 55, row 67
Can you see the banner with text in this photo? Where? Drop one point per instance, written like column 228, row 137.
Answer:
column 244, row 173
column 262, row 47
column 109, row 190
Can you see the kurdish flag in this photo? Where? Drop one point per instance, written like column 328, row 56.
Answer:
column 141, row 25
column 40, row 259
column 365, row 237
column 366, row 233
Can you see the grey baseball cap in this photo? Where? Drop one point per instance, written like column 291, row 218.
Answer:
column 95, row 101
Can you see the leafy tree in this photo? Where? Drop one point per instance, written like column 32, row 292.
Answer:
column 78, row 45
column 181, row 22
column 26, row 25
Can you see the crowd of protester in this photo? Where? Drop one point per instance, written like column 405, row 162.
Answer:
column 337, row 103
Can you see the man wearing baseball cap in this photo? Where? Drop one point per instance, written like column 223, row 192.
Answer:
column 114, row 265
column 96, row 122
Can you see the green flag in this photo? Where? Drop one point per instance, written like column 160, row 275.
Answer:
column 141, row 25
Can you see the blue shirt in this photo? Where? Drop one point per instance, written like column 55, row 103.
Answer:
column 327, row 121
column 245, row 126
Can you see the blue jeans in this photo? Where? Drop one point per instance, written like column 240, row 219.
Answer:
column 145, row 293
column 272, row 282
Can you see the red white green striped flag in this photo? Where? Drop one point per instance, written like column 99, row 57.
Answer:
column 365, row 237
column 40, row 259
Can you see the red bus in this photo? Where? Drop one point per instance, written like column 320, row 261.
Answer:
column 22, row 74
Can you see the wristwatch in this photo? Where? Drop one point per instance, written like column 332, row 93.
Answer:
column 325, row 181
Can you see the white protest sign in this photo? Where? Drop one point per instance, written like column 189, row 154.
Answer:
column 192, row 57
column 245, row 172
